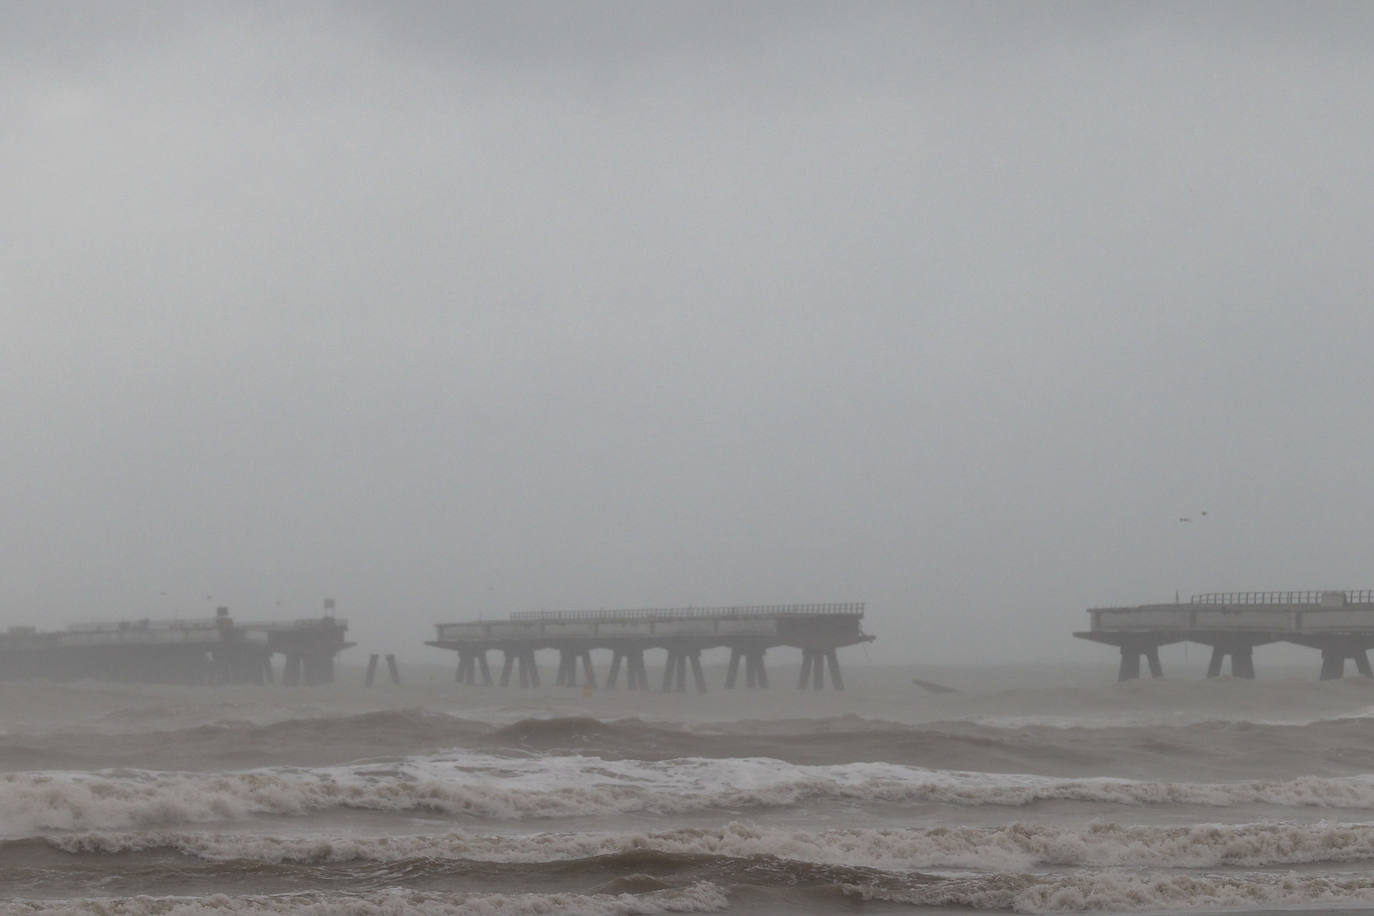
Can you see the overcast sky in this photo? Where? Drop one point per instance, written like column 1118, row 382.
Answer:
column 448, row 310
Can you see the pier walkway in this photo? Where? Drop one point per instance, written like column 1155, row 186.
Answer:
column 213, row 650
column 818, row 630
column 1340, row 624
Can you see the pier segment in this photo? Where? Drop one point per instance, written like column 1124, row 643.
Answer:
column 216, row 650
column 683, row 633
column 1340, row 624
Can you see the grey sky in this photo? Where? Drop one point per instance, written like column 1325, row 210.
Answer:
column 457, row 309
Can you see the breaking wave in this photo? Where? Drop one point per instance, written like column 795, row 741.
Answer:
column 492, row 786
column 1003, row 848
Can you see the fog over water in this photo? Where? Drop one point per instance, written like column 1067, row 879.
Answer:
column 980, row 313
column 448, row 310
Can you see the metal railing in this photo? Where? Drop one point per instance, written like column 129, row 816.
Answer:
column 847, row 609
column 1324, row 596
column 302, row 623
column 121, row 626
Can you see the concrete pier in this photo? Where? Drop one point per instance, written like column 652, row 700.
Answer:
column 1340, row 624
column 217, row 650
column 818, row 630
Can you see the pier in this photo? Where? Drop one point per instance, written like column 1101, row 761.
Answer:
column 818, row 630
column 216, row 650
column 1339, row 624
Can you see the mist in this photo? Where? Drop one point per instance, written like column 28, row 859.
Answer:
column 448, row 311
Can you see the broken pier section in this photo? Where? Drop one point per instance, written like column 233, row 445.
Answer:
column 217, row 650
column 818, row 630
column 1339, row 624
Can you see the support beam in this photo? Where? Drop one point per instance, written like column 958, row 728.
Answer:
column 292, row 675
column 1243, row 662
column 733, row 671
column 1333, row 665
column 1214, row 664
column 638, row 674
column 697, row 675
column 371, row 670
column 1152, row 655
column 760, row 672
column 833, row 661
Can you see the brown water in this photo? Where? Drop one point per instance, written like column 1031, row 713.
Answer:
column 1034, row 790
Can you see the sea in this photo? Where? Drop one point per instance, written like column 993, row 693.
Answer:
column 1026, row 789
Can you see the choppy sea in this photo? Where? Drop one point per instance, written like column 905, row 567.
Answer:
column 1031, row 790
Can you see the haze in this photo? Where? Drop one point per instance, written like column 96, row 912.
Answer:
column 451, row 310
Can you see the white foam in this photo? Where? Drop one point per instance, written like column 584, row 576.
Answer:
column 1127, row 891
column 697, row 898
column 1014, row 847
column 491, row 786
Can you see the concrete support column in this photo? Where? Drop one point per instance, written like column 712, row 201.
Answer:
column 694, row 656
column 1242, row 660
column 1131, row 654
column 636, row 674
column 833, row 663
column 530, row 669
column 471, row 664
column 587, row 671
column 1333, row 665
column 372, row 670
column 1214, row 664
column 755, row 674
column 675, row 671
column 291, row 676
column 1152, row 654
column 735, row 656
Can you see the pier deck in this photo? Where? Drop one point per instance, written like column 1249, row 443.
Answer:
column 197, row 651
column 1340, row 624
column 818, row 630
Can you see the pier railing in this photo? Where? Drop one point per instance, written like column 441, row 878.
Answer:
column 1324, row 597
column 845, row 609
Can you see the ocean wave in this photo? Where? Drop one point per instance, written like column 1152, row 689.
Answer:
column 1129, row 891
column 699, row 898
column 1221, row 750
column 1014, row 847
column 1111, row 890
column 301, row 741
column 492, row 786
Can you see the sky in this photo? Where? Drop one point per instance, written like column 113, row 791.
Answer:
column 447, row 310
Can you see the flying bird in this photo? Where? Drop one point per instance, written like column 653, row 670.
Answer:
column 1185, row 520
